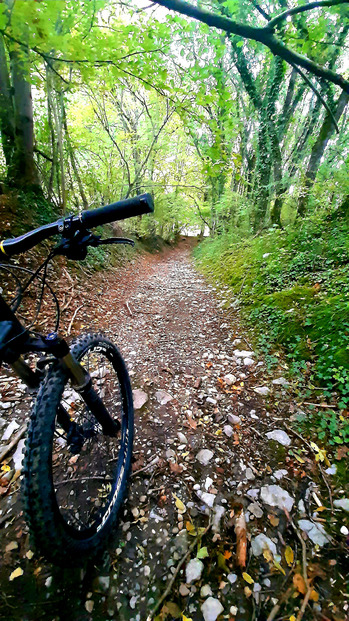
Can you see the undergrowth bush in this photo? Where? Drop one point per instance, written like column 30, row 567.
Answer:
column 291, row 287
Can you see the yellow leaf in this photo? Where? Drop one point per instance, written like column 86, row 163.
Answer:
column 314, row 596
column 190, row 528
column 16, row 573
column 279, row 568
column 247, row 591
column 268, row 555
column 321, row 508
column 29, row 554
column 247, row 577
column 184, row 618
column 301, row 461
column 5, row 468
column 179, row 504
column 289, row 556
column 292, row 618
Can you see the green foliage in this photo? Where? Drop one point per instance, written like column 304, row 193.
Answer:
column 292, row 288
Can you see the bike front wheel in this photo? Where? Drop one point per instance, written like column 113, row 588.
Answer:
column 75, row 476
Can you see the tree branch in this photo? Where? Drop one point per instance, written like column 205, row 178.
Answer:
column 300, row 9
column 262, row 35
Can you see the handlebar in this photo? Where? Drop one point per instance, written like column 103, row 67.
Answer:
column 91, row 218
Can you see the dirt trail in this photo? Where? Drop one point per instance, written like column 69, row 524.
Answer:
column 199, row 376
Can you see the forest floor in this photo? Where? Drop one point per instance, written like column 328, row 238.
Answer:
column 217, row 464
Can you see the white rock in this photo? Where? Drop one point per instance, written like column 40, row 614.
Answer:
column 18, row 455
column 232, row 578
column 280, row 436
column 344, row 530
column 228, row 430
column 230, row 379
column 208, row 483
column 182, row 438
column 341, row 503
column 275, row 496
column 249, row 474
column 194, row 570
column 257, row 587
column 233, row 610
column 235, row 420
column 155, row 516
column 205, row 590
column 219, row 511
column 133, row 601
column 248, row 362
column 253, row 493
column 10, row 429
column 331, row 469
column 207, row 498
column 5, row 405
column 204, row 456
column 278, row 474
column 315, row 532
column 280, row 381
column 139, row 398
column 211, row 608
column 211, row 400
column 262, row 542
column 256, row 509
column 163, row 397
column 262, row 390
column 243, row 353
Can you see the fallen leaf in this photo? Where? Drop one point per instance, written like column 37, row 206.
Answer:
column 89, row 605
column 13, row 545
column 274, row 521
column 268, row 555
column 247, row 591
column 176, row 468
column 172, row 609
column 203, row 553
column 247, row 578
column 278, row 567
column 289, row 556
column 314, row 596
column 16, row 573
column 29, row 555
column 179, row 504
column 227, row 555
column 184, row 618
column 241, row 539
column 299, row 584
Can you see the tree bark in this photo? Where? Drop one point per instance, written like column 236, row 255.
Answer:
column 24, row 169
column 7, row 118
column 326, row 132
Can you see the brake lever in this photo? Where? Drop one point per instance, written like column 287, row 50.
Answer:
column 116, row 240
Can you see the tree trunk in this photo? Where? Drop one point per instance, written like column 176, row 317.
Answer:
column 326, row 132
column 7, row 119
column 25, row 171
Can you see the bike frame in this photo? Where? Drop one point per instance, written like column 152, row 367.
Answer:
column 15, row 340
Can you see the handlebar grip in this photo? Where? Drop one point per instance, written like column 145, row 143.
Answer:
column 127, row 208
column 10, row 247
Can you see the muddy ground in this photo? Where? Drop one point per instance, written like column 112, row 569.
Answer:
column 202, row 455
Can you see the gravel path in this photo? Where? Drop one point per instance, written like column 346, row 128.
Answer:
column 201, row 456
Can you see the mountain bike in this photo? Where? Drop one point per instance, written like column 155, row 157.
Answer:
column 79, row 439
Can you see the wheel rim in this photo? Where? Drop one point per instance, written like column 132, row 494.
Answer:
column 87, row 478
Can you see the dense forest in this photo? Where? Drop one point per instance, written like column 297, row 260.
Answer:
column 234, row 115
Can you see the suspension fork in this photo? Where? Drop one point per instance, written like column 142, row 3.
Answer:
column 82, row 383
